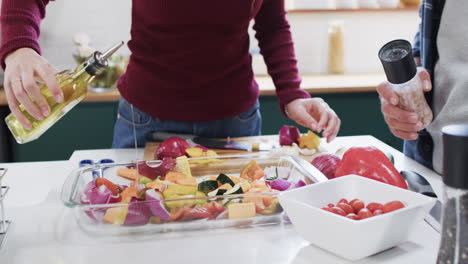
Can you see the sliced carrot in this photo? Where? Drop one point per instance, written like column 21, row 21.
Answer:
column 131, row 174
column 173, row 176
column 128, row 193
column 110, row 185
column 235, row 180
column 252, row 171
column 157, row 184
column 267, row 200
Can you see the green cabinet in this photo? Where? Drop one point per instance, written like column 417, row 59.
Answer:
column 359, row 113
column 87, row 126
column 90, row 126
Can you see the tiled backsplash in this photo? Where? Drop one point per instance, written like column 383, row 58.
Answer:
column 108, row 21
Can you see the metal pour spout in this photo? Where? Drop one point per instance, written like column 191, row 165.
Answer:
column 111, row 51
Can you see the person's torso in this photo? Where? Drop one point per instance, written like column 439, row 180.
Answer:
column 198, row 39
column 190, row 49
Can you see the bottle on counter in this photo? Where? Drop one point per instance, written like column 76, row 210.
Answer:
column 336, row 47
column 399, row 66
column 454, row 241
column 74, row 85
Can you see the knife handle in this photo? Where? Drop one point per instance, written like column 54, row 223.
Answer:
column 161, row 136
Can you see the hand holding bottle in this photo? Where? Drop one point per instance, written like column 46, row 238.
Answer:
column 403, row 124
column 23, row 67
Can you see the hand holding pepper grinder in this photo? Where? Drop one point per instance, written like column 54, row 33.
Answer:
column 398, row 62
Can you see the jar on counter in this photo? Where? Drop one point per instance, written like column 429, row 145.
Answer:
column 454, row 241
column 336, row 47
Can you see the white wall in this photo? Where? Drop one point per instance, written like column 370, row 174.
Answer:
column 364, row 34
column 108, row 21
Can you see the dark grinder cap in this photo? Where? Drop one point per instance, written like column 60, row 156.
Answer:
column 397, row 60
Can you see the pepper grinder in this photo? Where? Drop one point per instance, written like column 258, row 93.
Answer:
column 454, row 241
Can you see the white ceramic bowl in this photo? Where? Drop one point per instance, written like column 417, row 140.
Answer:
column 353, row 239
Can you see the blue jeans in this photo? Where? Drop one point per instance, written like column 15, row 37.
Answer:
column 420, row 149
column 248, row 123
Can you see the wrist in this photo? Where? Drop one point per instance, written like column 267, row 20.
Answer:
column 19, row 52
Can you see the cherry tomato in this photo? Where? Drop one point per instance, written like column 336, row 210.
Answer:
column 327, row 209
column 364, row 213
column 338, row 211
column 331, row 205
column 346, row 207
column 377, row 212
column 392, row 206
column 352, row 216
column 374, row 206
column 357, row 205
column 343, row 201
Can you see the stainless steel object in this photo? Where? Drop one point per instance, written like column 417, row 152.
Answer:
column 417, row 183
column 4, row 224
column 217, row 143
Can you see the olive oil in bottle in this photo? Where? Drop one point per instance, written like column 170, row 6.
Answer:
column 74, row 85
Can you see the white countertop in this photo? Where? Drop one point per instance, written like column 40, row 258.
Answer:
column 44, row 231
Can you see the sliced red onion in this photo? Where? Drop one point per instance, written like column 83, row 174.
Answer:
column 299, row 184
column 274, row 172
column 172, row 147
column 98, row 195
column 327, row 164
column 162, row 169
column 288, row 135
column 279, row 184
column 156, row 205
column 138, row 213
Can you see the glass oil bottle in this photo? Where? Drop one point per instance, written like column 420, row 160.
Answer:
column 74, row 85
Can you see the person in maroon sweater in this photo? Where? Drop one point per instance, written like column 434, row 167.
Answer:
column 189, row 72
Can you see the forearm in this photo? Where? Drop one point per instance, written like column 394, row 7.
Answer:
column 20, row 22
column 277, row 48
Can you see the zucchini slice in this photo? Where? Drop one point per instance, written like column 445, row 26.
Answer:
column 207, row 186
column 236, row 189
column 217, row 192
column 223, row 179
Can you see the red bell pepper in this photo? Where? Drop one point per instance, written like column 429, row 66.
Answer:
column 196, row 213
column 371, row 163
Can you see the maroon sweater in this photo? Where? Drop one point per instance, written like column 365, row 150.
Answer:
column 190, row 60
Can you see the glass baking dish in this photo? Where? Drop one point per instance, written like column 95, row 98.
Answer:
column 267, row 208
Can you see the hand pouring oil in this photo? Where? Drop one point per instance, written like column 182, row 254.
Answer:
column 74, row 85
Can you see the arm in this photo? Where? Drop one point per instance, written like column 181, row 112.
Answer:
column 20, row 21
column 19, row 57
column 276, row 46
